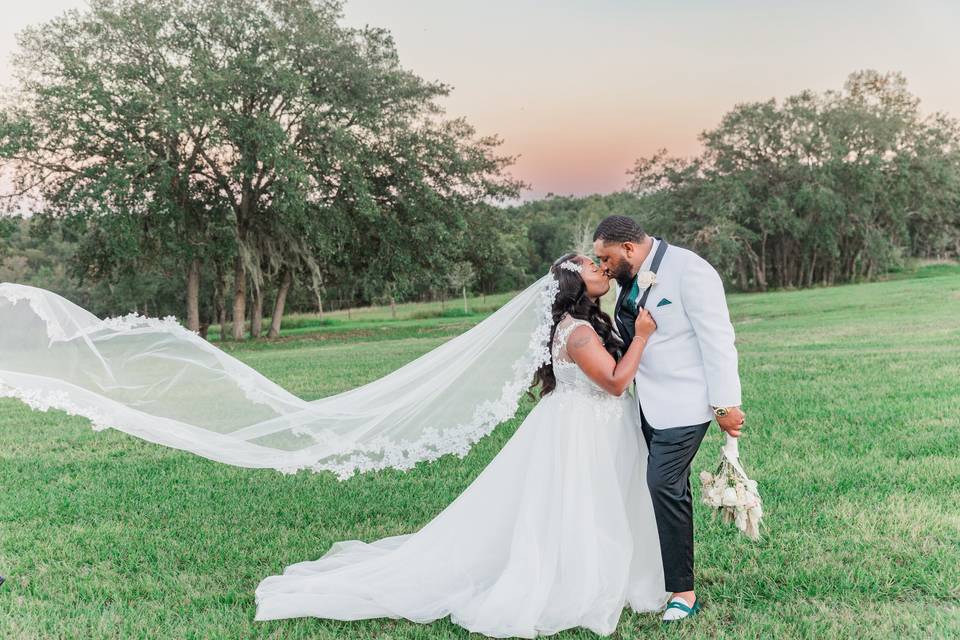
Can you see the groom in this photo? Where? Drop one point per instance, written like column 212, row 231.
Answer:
column 687, row 377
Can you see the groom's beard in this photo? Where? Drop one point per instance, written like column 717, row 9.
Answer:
column 622, row 274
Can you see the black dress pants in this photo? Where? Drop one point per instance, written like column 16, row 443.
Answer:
column 671, row 453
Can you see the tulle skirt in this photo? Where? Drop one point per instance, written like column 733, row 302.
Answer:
column 558, row 531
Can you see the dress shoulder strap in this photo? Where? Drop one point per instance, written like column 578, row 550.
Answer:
column 565, row 328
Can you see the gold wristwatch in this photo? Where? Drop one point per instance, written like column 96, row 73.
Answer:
column 721, row 411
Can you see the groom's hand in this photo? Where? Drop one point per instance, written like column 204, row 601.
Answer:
column 732, row 423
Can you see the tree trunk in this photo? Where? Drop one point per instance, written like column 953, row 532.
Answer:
column 393, row 308
column 285, row 280
column 239, row 299
column 762, row 269
column 224, row 323
column 798, row 265
column 256, row 314
column 742, row 274
column 320, row 305
column 782, row 255
column 465, row 310
column 757, row 262
column 220, row 302
column 193, row 295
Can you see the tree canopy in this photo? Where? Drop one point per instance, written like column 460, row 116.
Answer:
column 250, row 140
column 818, row 189
column 210, row 158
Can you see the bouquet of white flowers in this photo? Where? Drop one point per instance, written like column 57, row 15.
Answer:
column 732, row 493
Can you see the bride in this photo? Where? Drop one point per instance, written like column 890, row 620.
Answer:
column 558, row 531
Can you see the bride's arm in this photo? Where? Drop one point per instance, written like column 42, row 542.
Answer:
column 586, row 349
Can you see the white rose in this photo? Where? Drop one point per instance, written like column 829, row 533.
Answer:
column 706, row 477
column 729, row 497
column 646, row 278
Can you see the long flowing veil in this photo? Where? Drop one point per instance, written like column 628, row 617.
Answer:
column 154, row 379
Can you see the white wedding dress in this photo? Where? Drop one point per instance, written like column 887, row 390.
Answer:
column 558, row 531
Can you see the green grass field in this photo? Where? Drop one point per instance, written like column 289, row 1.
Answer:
column 373, row 318
column 853, row 398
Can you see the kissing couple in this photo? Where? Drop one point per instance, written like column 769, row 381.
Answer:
column 587, row 508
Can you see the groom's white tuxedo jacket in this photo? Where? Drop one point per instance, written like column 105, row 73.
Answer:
column 690, row 362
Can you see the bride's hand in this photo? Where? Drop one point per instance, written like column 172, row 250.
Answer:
column 645, row 325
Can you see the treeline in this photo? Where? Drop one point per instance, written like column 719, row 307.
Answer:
column 818, row 189
column 44, row 253
column 228, row 150
column 227, row 161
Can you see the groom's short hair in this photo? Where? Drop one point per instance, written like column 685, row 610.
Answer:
column 619, row 229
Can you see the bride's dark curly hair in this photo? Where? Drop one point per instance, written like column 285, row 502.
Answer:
column 572, row 298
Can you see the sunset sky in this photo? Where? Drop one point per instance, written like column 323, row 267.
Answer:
column 580, row 89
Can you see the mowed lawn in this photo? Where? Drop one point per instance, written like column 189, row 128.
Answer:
column 853, row 402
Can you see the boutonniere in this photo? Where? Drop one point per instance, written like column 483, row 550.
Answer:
column 646, row 278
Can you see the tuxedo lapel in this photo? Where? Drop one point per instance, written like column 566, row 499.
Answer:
column 621, row 328
column 654, row 266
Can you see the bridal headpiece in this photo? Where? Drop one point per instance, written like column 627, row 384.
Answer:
column 570, row 265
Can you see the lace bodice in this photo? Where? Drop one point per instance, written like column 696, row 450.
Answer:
column 569, row 375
